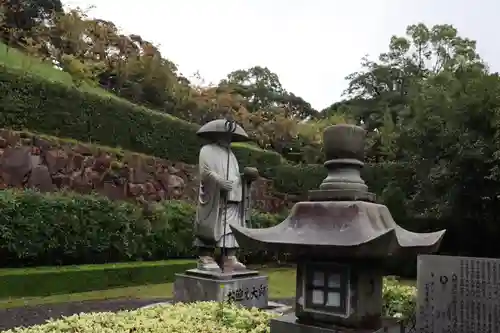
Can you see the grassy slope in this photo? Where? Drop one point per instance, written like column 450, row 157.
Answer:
column 150, row 280
column 13, row 58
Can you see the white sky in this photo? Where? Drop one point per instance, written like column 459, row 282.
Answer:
column 311, row 44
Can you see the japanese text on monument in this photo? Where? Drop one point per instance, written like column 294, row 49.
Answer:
column 247, row 293
column 458, row 295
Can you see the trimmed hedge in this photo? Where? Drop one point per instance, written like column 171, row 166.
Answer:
column 298, row 179
column 295, row 179
column 67, row 228
column 31, row 102
column 49, row 281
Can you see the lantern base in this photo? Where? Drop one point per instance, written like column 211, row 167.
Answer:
column 289, row 324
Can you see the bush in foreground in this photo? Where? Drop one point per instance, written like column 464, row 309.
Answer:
column 202, row 317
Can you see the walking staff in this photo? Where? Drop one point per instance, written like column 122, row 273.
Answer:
column 230, row 127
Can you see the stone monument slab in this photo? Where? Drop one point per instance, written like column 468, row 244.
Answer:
column 248, row 291
column 458, row 294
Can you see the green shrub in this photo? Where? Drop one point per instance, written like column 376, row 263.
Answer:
column 399, row 299
column 260, row 256
column 300, row 178
column 296, row 179
column 58, row 228
column 68, row 228
column 34, row 103
column 249, row 155
column 202, row 317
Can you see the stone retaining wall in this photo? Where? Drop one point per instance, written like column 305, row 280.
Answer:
column 51, row 164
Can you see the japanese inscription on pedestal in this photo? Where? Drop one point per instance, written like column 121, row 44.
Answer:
column 458, row 295
column 241, row 294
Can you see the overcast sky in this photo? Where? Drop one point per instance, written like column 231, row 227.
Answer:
column 311, row 44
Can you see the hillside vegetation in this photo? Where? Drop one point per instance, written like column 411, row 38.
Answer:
column 430, row 105
column 43, row 99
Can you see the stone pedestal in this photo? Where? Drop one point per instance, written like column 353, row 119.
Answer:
column 246, row 288
column 289, row 324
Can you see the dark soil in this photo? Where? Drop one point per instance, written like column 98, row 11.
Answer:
column 39, row 314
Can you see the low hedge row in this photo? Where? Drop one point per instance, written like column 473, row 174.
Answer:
column 31, row 102
column 58, row 280
column 67, row 228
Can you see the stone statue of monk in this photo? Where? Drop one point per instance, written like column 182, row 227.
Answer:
column 221, row 197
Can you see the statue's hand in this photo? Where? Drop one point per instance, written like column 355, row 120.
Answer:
column 227, row 185
column 250, row 174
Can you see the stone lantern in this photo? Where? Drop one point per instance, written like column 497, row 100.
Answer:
column 339, row 239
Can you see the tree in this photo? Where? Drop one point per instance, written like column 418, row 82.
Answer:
column 129, row 66
column 432, row 104
column 258, row 85
column 263, row 91
column 296, row 106
column 384, row 85
column 21, row 18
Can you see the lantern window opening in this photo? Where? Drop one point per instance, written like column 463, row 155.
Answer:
column 327, row 289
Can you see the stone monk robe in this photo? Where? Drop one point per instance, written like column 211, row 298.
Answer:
column 218, row 184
